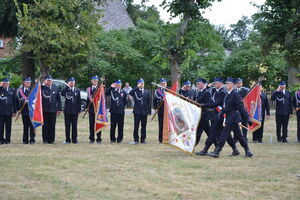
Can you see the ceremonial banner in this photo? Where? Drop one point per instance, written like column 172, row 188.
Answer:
column 35, row 106
column 181, row 119
column 252, row 103
column 101, row 120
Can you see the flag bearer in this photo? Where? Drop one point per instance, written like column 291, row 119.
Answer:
column 91, row 92
column 22, row 95
column 158, row 104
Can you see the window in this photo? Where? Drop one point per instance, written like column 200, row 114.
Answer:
column 1, row 44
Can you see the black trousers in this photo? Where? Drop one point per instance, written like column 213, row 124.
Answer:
column 5, row 122
column 214, row 135
column 298, row 128
column 71, row 120
column 160, row 126
column 92, row 129
column 258, row 134
column 202, row 126
column 48, row 130
column 28, row 129
column 140, row 119
column 245, row 123
column 116, row 120
column 282, row 122
column 231, row 126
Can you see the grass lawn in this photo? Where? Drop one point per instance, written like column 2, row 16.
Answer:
column 151, row 171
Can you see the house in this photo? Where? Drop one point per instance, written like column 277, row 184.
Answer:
column 4, row 47
column 115, row 16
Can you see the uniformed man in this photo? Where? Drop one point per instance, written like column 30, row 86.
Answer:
column 202, row 96
column 91, row 92
column 233, row 108
column 118, row 99
column 186, row 90
column 284, row 108
column 158, row 104
column 217, row 119
column 71, row 110
column 7, row 110
column 296, row 103
column 141, row 110
column 242, row 91
column 265, row 110
column 51, row 109
column 22, row 95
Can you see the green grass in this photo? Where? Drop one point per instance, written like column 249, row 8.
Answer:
column 151, row 171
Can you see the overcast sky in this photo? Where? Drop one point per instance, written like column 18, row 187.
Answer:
column 225, row 12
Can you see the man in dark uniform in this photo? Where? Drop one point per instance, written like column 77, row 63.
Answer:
column 7, row 110
column 118, row 99
column 202, row 96
column 158, row 104
column 242, row 91
column 233, row 108
column 296, row 103
column 141, row 110
column 265, row 109
column 186, row 90
column 22, row 95
column 91, row 92
column 71, row 110
column 219, row 94
column 51, row 109
column 284, row 108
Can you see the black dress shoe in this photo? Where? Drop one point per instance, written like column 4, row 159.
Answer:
column 285, row 141
column 99, row 141
column 92, row 141
column 1, row 142
column 215, row 153
column 32, row 142
column 143, row 142
column 203, row 152
column 248, row 154
column 279, row 140
column 119, row 142
column 24, row 142
column 235, row 152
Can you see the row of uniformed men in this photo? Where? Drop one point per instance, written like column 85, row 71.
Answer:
column 211, row 99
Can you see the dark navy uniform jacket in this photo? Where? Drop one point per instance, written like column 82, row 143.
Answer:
column 296, row 102
column 51, row 99
column 22, row 94
column 242, row 91
column 187, row 93
column 7, row 101
column 117, row 100
column 158, row 99
column 142, row 101
column 72, row 103
column 203, row 97
column 283, row 102
column 265, row 108
column 234, row 109
column 217, row 100
column 90, row 92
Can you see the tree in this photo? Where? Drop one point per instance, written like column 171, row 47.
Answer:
column 190, row 10
column 279, row 24
column 58, row 33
